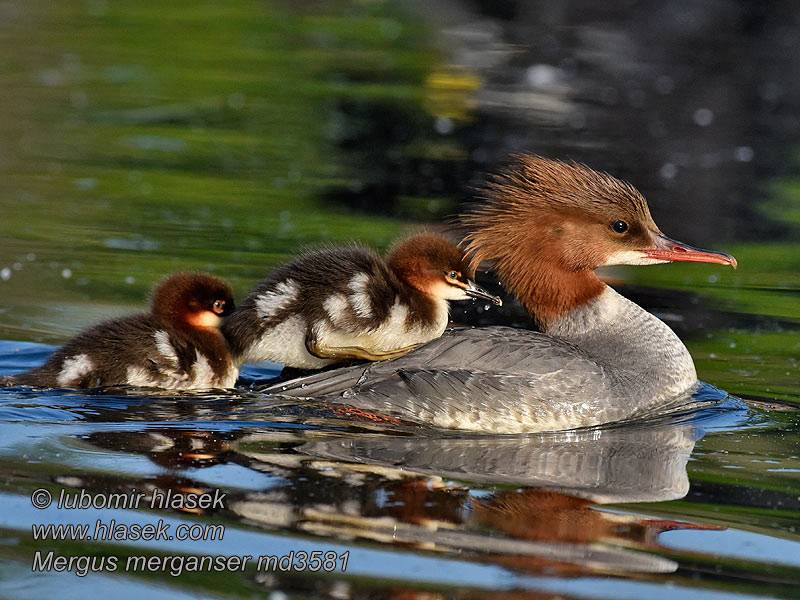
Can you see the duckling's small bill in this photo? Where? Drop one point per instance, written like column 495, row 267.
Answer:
column 477, row 292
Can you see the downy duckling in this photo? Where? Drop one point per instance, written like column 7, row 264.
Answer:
column 343, row 303
column 176, row 346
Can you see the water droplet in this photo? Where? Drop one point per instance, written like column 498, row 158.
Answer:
column 668, row 171
column 66, row 273
column 49, row 77
column 5, row 273
column 443, row 125
column 743, row 153
column 236, row 101
column 541, row 76
column 86, row 183
column 703, row 117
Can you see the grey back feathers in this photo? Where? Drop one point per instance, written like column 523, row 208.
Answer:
column 508, row 380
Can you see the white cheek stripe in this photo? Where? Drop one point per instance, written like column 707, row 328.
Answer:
column 443, row 291
column 631, row 257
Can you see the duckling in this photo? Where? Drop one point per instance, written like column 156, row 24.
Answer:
column 176, row 346
column 342, row 303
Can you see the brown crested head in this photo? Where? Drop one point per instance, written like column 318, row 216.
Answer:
column 435, row 266
column 192, row 300
column 577, row 216
column 546, row 225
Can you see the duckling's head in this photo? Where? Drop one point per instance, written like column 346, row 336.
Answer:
column 195, row 300
column 547, row 225
column 436, row 267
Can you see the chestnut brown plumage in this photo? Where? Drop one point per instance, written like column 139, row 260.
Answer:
column 423, row 259
column 177, row 345
column 545, row 225
column 188, row 300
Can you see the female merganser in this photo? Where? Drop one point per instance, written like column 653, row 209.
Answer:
column 177, row 346
column 344, row 303
column 600, row 358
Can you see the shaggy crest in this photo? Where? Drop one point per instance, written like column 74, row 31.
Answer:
column 527, row 225
column 534, row 186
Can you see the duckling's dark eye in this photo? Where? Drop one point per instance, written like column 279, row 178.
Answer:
column 219, row 305
column 453, row 275
column 619, row 226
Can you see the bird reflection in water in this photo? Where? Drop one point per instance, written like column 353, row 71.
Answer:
column 439, row 493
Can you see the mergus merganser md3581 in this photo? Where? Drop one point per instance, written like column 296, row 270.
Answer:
column 344, row 303
column 600, row 358
column 177, row 346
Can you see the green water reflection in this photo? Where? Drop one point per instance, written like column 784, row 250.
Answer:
column 140, row 140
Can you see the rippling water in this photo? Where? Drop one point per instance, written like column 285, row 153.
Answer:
column 705, row 498
column 136, row 140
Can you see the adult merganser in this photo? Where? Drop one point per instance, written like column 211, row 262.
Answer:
column 177, row 345
column 344, row 303
column 600, row 358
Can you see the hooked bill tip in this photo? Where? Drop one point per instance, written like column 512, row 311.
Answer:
column 671, row 250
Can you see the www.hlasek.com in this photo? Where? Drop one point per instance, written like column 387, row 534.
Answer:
column 111, row 530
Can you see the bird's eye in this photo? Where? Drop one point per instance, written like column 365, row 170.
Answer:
column 219, row 305
column 619, row 226
column 452, row 275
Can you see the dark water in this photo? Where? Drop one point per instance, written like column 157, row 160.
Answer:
column 137, row 140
